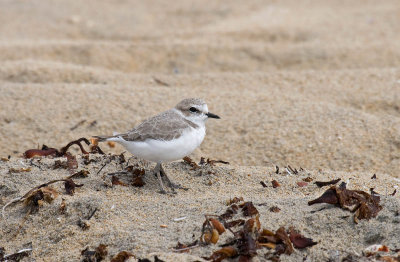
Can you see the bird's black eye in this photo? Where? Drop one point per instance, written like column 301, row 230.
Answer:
column 193, row 109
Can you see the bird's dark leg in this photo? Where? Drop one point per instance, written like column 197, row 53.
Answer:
column 169, row 182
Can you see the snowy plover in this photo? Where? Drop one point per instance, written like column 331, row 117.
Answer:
column 168, row 136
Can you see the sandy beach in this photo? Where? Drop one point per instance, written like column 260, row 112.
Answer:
column 314, row 85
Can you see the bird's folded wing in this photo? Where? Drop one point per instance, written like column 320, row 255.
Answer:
column 165, row 126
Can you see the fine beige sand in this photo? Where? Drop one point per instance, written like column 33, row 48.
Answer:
column 310, row 84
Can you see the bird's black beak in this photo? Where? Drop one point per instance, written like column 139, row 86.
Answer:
column 211, row 115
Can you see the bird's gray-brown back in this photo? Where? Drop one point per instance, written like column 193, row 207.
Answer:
column 165, row 126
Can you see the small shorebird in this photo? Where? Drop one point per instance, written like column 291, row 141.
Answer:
column 168, row 136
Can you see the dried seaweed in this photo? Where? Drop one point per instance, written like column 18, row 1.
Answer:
column 46, row 151
column 249, row 209
column 116, row 181
column 223, row 253
column 248, row 237
column 302, row 183
column 274, row 209
column 94, row 256
column 122, row 256
column 327, row 183
column 190, row 162
column 137, row 177
column 34, row 198
column 363, row 204
column 70, row 186
column 275, row 184
column 298, row 240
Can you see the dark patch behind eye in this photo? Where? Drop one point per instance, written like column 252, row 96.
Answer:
column 193, row 109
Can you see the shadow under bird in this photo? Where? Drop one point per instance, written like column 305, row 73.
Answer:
column 168, row 136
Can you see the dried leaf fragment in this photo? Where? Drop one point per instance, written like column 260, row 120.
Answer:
column 214, row 236
column 274, row 209
column 275, row 184
column 282, row 236
column 268, row 245
column 252, row 226
column 234, row 200
column 71, row 161
column 63, row 206
column 234, row 223
column 298, row 240
column 35, row 198
column 40, row 152
column 137, row 177
column 94, row 256
column 364, row 204
column 307, row 179
column 213, row 162
column 302, row 183
column 70, row 186
column 249, row 209
column 223, row 253
column 190, row 162
column 122, row 256
column 329, row 197
column 80, row 174
column 116, row 181
column 247, row 246
column 326, row 183
column 217, row 225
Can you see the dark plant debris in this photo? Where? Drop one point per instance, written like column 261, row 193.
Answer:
column 263, row 184
column 77, row 125
column 298, row 240
column 327, row 183
column 291, row 170
column 374, row 176
column 116, row 181
column 275, row 183
column 137, row 176
column 190, row 162
column 122, row 256
column 307, row 179
column 275, row 209
column 94, row 255
column 70, row 186
column 248, row 235
column 46, row 151
column 364, row 205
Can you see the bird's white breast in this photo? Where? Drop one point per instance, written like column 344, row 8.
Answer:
column 165, row 151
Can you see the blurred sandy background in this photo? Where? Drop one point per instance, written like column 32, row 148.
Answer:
column 312, row 83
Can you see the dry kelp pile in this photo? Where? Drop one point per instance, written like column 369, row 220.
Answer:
column 364, row 205
column 241, row 219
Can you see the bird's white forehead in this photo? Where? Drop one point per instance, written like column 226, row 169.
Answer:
column 203, row 108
